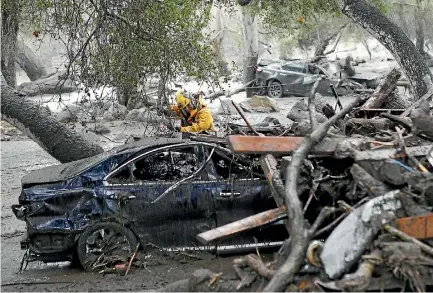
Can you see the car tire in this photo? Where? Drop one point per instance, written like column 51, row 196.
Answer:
column 95, row 238
column 275, row 89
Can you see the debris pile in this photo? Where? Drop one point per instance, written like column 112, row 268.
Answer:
column 354, row 186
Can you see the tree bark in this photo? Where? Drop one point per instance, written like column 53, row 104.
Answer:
column 251, row 47
column 10, row 14
column 385, row 88
column 219, row 36
column 392, row 38
column 319, row 53
column 29, row 62
column 420, row 27
column 35, row 121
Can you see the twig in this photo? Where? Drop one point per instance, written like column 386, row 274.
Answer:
column 312, row 192
column 132, row 258
column 245, row 119
column 254, row 262
column 404, row 236
column 324, row 213
column 312, row 104
column 300, row 234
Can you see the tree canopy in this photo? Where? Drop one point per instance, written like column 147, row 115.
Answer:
column 120, row 43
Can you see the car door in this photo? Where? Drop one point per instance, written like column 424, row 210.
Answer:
column 296, row 78
column 240, row 190
column 167, row 206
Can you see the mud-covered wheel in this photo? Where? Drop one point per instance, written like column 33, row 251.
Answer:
column 105, row 243
column 275, row 89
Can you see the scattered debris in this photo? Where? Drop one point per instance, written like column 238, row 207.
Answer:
column 374, row 171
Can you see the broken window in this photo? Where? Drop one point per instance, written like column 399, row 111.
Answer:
column 121, row 176
column 170, row 165
column 232, row 167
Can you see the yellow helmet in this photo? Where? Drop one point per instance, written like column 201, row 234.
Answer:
column 181, row 100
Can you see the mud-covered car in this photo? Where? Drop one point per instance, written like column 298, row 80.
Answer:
column 278, row 79
column 160, row 191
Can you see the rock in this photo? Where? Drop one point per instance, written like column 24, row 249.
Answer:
column 261, row 104
column 300, row 112
column 115, row 112
column 70, row 113
column 142, row 115
column 348, row 241
column 5, row 137
column 100, row 129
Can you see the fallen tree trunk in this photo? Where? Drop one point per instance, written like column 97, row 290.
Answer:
column 36, row 122
column 385, row 88
column 51, row 84
column 233, row 92
column 29, row 62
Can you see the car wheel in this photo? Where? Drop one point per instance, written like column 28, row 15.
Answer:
column 105, row 242
column 275, row 89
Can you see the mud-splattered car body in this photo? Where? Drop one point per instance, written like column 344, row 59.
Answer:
column 279, row 79
column 209, row 187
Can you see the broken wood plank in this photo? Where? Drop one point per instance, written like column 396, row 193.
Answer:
column 242, row 225
column 282, row 145
column 383, row 90
column 420, row 227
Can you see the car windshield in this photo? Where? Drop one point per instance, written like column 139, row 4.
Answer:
column 79, row 166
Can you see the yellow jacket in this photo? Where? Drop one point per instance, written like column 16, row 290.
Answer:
column 202, row 121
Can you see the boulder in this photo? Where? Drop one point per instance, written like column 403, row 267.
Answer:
column 72, row 113
column 261, row 104
column 299, row 112
column 115, row 112
column 142, row 115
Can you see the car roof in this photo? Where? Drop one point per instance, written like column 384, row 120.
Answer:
column 64, row 171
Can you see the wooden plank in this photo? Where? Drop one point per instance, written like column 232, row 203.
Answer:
column 242, row 225
column 281, row 145
column 420, row 227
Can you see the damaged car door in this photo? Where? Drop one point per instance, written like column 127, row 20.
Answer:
column 166, row 205
column 240, row 190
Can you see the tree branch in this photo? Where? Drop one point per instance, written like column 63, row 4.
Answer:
column 300, row 234
column 312, row 104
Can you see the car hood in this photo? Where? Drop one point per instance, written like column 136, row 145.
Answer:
column 46, row 175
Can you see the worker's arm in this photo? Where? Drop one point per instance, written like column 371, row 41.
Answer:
column 175, row 108
column 204, row 121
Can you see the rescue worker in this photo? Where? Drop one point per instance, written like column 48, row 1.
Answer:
column 195, row 115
